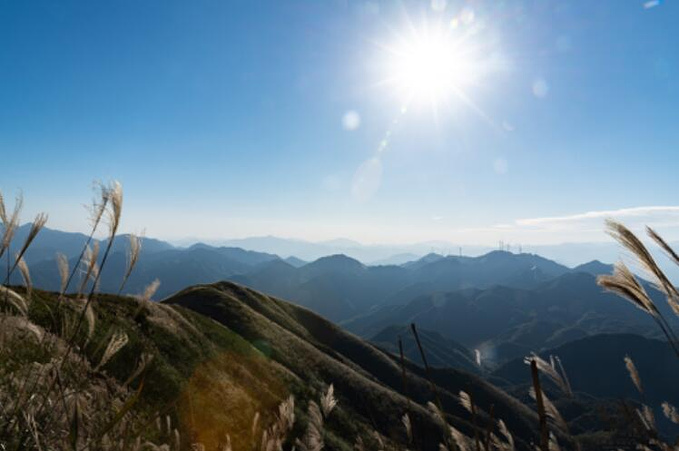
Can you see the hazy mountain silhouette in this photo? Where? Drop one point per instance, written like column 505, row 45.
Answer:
column 595, row 267
column 175, row 268
column 50, row 241
column 340, row 287
column 398, row 259
column 505, row 322
column 425, row 260
column 503, row 302
column 336, row 286
column 294, row 261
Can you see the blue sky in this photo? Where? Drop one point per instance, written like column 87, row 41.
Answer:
column 228, row 119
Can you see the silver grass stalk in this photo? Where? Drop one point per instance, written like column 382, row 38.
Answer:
column 433, row 408
column 255, row 424
column 97, row 210
column 91, row 320
column 3, row 210
column 550, row 409
column 549, row 371
column 62, row 266
column 670, row 412
column 115, row 193
column 408, row 426
column 378, row 439
column 562, row 370
column 647, row 418
column 10, row 225
column 286, row 413
column 97, row 207
column 26, row 275
column 144, row 361
column 115, row 196
column 649, row 415
column 672, row 295
column 227, row 445
column 14, row 299
column 274, row 436
column 466, row 401
column 553, row 443
column 509, row 439
column 625, row 237
column 37, row 225
column 313, row 437
column 328, row 401
column 459, row 439
column 623, row 283
column 634, row 374
column 117, row 342
column 149, row 291
column 264, row 442
column 91, row 270
column 671, row 253
column 85, row 263
column 132, row 258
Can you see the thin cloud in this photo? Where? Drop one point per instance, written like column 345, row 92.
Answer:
column 665, row 215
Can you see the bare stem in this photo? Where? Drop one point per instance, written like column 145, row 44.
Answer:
column 544, row 432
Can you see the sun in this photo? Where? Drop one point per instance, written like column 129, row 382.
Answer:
column 432, row 66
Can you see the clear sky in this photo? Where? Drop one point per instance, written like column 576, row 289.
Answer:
column 227, row 119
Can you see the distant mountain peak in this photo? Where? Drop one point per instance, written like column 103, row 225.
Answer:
column 594, row 267
column 431, row 257
column 294, row 261
column 334, row 263
column 338, row 259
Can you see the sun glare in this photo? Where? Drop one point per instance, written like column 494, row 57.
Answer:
column 431, row 67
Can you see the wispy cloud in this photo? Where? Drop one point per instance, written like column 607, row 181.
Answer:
column 578, row 227
column 658, row 215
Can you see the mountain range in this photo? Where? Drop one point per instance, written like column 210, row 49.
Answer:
column 230, row 315
column 292, row 277
column 504, row 322
column 503, row 304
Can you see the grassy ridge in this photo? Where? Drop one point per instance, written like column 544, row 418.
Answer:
column 368, row 381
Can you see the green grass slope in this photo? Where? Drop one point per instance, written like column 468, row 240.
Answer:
column 222, row 353
column 368, row 380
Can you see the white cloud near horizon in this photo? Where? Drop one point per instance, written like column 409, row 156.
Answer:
column 666, row 216
column 588, row 226
column 653, row 213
